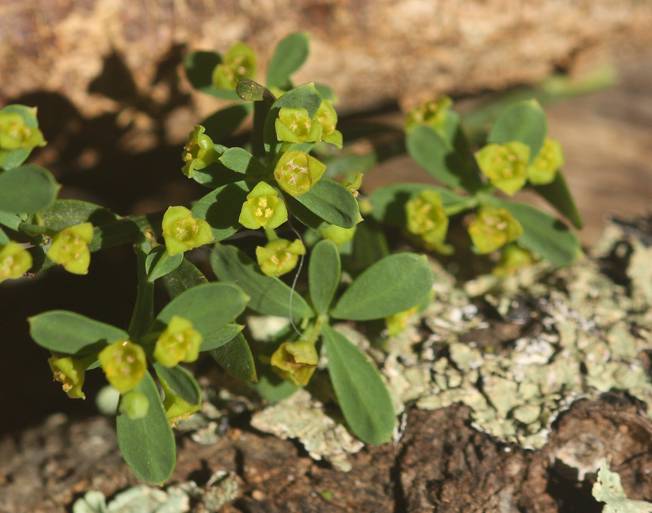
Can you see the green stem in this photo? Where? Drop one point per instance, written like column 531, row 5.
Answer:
column 312, row 333
column 143, row 313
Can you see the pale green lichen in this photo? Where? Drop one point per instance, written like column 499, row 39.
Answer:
column 609, row 490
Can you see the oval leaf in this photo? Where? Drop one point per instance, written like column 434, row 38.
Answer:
column 221, row 209
column 180, row 381
column 27, row 189
column 159, row 263
column 332, row 202
column 323, row 275
column 289, row 55
column 183, row 278
column 559, row 196
column 222, row 337
column 199, row 68
column 360, row 391
column 391, row 285
column 147, row 444
column 236, row 358
column 268, row 295
column 66, row 332
column 209, row 307
column 525, row 122
column 68, row 212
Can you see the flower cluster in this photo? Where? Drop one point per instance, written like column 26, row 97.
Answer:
column 180, row 342
column 198, row 152
column 279, row 256
column 427, row 219
column 237, row 63
column 183, row 232
column 16, row 134
column 15, row 261
column 70, row 248
column 296, row 361
column 492, row 228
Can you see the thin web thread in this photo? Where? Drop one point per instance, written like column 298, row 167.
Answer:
column 294, row 282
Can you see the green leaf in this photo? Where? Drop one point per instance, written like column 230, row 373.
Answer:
column 391, row 285
column 209, row 307
column 10, row 159
column 347, row 166
column 236, row 358
column 223, row 123
column 289, row 55
column 199, row 68
column 68, row 212
column 159, row 263
column 388, row 202
column 268, row 295
column 369, row 246
column 10, row 220
column 221, row 337
column 27, row 189
column 180, row 381
column 221, row 209
column 440, row 159
column 272, row 388
column 525, row 122
column 241, row 161
column 544, row 235
column 66, row 332
column 559, row 196
column 360, row 391
column 251, row 91
column 332, row 203
column 147, row 444
column 4, row 239
column 323, row 275
column 183, row 278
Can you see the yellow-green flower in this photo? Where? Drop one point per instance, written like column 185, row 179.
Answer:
column 512, row 258
column 279, row 256
column 70, row 372
column 124, row 364
column 327, row 118
column 134, row 405
column 399, row 321
column 198, row 152
column 353, row 184
column 427, row 219
column 337, row 234
column 431, row 113
column 15, row 134
column 182, row 232
column 546, row 164
column 176, row 408
column 295, row 361
column 296, row 172
column 70, row 248
column 492, row 228
column 237, row 63
column 505, row 165
column 180, row 342
column 263, row 207
column 296, row 126
column 15, row 261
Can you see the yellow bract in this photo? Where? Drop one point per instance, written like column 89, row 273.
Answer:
column 279, row 256
column 296, row 126
column 70, row 372
column 198, row 152
column 180, row 342
column 427, row 219
column 264, row 208
column 513, row 258
column 124, row 364
column 492, row 228
column 399, row 321
column 237, row 63
column 505, row 165
column 176, row 408
column 546, row 164
column 431, row 113
column 15, row 261
column 295, row 361
column 182, row 232
column 15, row 134
column 296, row 172
column 70, row 248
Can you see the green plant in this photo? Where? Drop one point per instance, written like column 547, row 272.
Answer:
column 290, row 187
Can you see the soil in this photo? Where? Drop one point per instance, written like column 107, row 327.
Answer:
column 440, row 464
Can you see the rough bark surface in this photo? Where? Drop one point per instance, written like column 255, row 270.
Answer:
column 370, row 51
column 440, row 464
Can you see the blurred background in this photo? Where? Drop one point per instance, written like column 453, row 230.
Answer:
column 115, row 108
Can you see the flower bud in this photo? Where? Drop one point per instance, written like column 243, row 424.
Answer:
column 546, row 164
column 70, row 372
column 337, row 234
column 296, row 172
column 134, row 405
column 512, row 258
column 180, row 342
column 295, row 361
column 263, row 208
column 432, row 113
column 397, row 323
column 279, row 256
column 198, row 152
column 296, row 126
column 70, row 248
column 182, row 232
column 15, row 261
column 237, row 63
column 15, row 134
column 505, row 165
column 327, row 118
column 427, row 219
column 176, row 408
column 124, row 364
column 492, row 228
